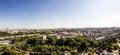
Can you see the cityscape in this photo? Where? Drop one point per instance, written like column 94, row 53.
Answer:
column 59, row 27
column 65, row 41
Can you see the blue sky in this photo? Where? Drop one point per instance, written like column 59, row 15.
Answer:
column 59, row 13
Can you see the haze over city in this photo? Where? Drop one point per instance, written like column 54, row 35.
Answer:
column 59, row 13
column 59, row 27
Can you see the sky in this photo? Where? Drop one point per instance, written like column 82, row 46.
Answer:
column 37, row 14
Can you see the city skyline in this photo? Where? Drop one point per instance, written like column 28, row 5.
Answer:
column 42, row 14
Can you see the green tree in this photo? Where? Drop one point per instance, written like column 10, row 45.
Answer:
column 51, row 41
column 39, row 48
column 90, row 50
column 15, row 40
column 109, row 48
column 51, row 48
column 82, row 47
column 69, row 41
column 33, row 41
column 11, row 52
column 61, row 41
column 115, row 46
column 42, row 42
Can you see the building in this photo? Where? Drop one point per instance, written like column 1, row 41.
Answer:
column 43, row 37
column 5, row 42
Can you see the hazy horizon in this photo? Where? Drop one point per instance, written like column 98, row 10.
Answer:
column 42, row 14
